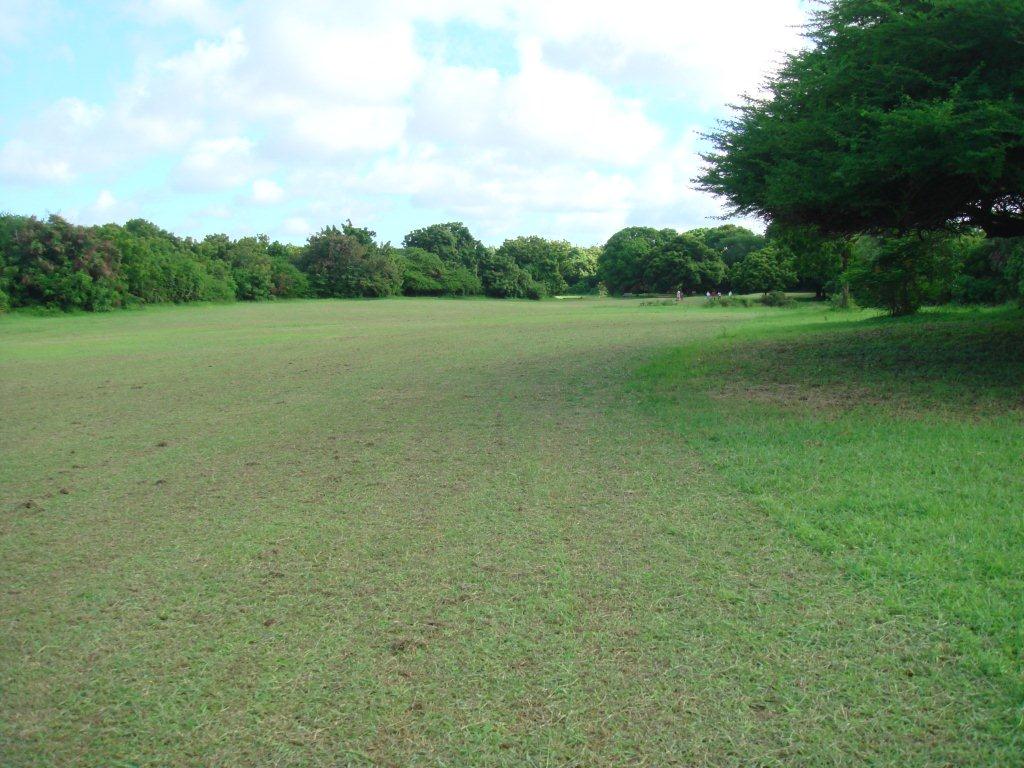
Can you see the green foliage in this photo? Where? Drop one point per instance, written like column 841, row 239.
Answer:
column 426, row 274
column 347, row 263
column 625, row 258
column 731, row 242
column 1013, row 267
column 900, row 274
column 646, row 260
column 541, row 258
column 160, row 267
column 685, row 263
column 60, row 265
column 817, row 261
column 580, row 269
column 452, row 242
column 985, row 270
column 901, row 116
column 763, row 271
column 288, row 281
column 777, row 299
column 504, row 279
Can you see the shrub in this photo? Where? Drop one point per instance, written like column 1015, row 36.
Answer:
column 777, row 299
column 341, row 264
column 64, row 266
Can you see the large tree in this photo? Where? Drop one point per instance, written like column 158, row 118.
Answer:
column 902, row 115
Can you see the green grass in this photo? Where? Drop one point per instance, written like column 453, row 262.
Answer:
column 421, row 532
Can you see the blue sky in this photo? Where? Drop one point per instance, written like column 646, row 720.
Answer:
column 563, row 118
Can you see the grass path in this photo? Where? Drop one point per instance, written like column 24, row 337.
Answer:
column 434, row 533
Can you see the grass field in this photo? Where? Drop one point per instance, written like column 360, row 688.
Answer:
column 449, row 533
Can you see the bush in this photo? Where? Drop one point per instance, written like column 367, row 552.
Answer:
column 504, row 279
column 64, row 266
column 777, row 299
column 728, row 301
column 343, row 264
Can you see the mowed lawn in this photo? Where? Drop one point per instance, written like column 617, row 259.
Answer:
column 452, row 533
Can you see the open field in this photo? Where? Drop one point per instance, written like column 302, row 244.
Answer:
column 431, row 532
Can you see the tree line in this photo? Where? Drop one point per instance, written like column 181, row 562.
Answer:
column 55, row 264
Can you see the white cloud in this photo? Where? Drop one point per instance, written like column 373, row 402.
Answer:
column 266, row 192
column 200, row 13
column 105, row 201
column 297, row 226
column 338, row 100
column 20, row 18
column 22, row 162
column 221, row 163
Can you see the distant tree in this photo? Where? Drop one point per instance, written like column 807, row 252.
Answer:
column 540, row 257
column 901, row 116
column 452, row 242
column 9, row 270
column 579, row 269
column 61, row 265
column 626, row 257
column 161, row 267
column 251, row 268
column 731, row 242
column 422, row 272
column 685, row 263
column 343, row 265
column 288, row 281
column 504, row 279
column 769, row 269
column 425, row 274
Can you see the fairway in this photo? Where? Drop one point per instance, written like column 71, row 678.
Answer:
column 470, row 532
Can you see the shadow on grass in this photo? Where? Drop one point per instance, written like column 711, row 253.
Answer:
column 958, row 359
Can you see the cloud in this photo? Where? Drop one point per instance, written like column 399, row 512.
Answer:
column 105, row 201
column 24, row 163
column 222, row 163
column 266, row 192
column 202, row 14
column 587, row 128
column 19, row 19
column 297, row 226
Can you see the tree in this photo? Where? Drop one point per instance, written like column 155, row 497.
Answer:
column 289, row 282
column 902, row 116
column 818, row 262
column 61, row 265
column 502, row 278
column 626, row 257
column 160, row 267
column 770, row 269
column 452, row 242
column 731, row 242
column 343, row 265
column 579, row 269
column 684, row 263
column 901, row 274
column 541, row 258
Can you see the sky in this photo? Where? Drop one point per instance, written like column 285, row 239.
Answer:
column 564, row 118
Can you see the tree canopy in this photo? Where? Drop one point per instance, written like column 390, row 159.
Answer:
column 902, row 115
